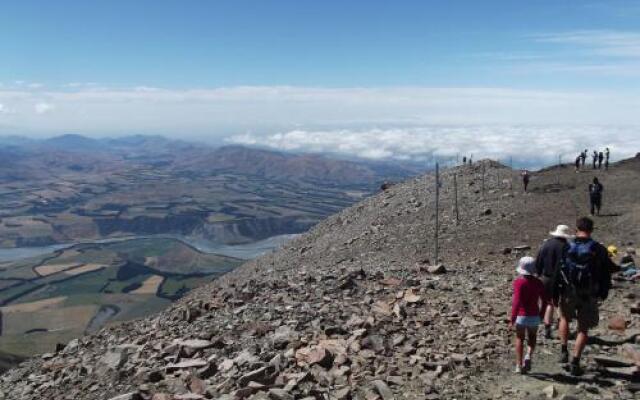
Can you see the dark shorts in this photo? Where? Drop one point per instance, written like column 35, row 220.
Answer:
column 583, row 309
column 549, row 283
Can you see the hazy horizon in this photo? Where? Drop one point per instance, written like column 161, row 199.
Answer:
column 373, row 80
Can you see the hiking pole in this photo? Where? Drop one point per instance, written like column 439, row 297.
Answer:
column 437, row 209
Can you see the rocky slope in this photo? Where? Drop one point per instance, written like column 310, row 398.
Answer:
column 358, row 309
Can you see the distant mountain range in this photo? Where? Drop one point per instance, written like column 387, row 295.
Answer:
column 23, row 158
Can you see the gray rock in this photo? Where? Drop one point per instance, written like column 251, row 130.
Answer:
column 384, row 390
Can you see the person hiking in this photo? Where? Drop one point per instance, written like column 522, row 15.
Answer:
column 528, row 294
column 525, row 179
column 548, row 262
column 600, row 159
column 595, row 196
column 583, row 156
column 578, row 164
column 594, row 157
column 607, row 153
column 585, row 278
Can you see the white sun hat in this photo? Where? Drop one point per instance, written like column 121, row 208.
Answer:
column 526, row 266
column 562, row 231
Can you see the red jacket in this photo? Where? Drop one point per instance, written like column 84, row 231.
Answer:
column 528, row 297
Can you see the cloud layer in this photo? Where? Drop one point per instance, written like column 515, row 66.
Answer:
column 412, row 123
column 526, row 145
column 219, row 112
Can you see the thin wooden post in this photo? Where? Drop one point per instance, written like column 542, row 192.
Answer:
column 455, row 195
column 483, row 179
column 559, row 167
column 437, row 212
column 511, row 174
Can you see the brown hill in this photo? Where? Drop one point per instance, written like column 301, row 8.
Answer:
column 286, row 166
column 353, row 310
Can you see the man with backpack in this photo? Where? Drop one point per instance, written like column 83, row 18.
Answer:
column 595, row 196
column 548, row 262
column 585, row 279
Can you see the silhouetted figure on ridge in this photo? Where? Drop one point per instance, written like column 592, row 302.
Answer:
column 525, row 180
column 600, row 159
column 595, row 196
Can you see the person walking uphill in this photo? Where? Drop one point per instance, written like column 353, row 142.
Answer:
column 525, row 180
column 548, row 262
column 595, row 196
column 585, row 278
column 528, row 294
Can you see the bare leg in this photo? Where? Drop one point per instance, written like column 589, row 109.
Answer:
column 520, row 331
column 531, row 343
column 581, row 342
column 548, row 315
column 563, row 331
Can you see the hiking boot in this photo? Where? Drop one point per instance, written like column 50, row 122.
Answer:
column 564, row 357
column 526, row 365
column 547, row 332
column 575, row 369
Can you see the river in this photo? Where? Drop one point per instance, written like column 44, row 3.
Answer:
column 243, row 251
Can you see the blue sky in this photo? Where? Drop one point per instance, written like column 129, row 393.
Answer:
column 254, row 69
column 178, row 44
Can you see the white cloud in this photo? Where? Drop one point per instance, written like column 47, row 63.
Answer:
column 622, row 44
column 4, row 110
column 394, row 122
column 218, row 112
column 537, row 145
column 43, row 108
column 585, row 52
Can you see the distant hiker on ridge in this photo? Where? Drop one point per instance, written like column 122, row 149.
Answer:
column 528, row 294
column 607, row 153
column 600, row 159
column 585, row 278
column 578, row 163
column 583, row 156
column 525, row 179
column 594, row 156
column 548, row 262
column 595, row 196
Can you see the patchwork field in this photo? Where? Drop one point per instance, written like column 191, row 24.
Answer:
column 52, row 298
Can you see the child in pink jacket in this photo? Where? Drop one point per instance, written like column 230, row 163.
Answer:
column 526, row 310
